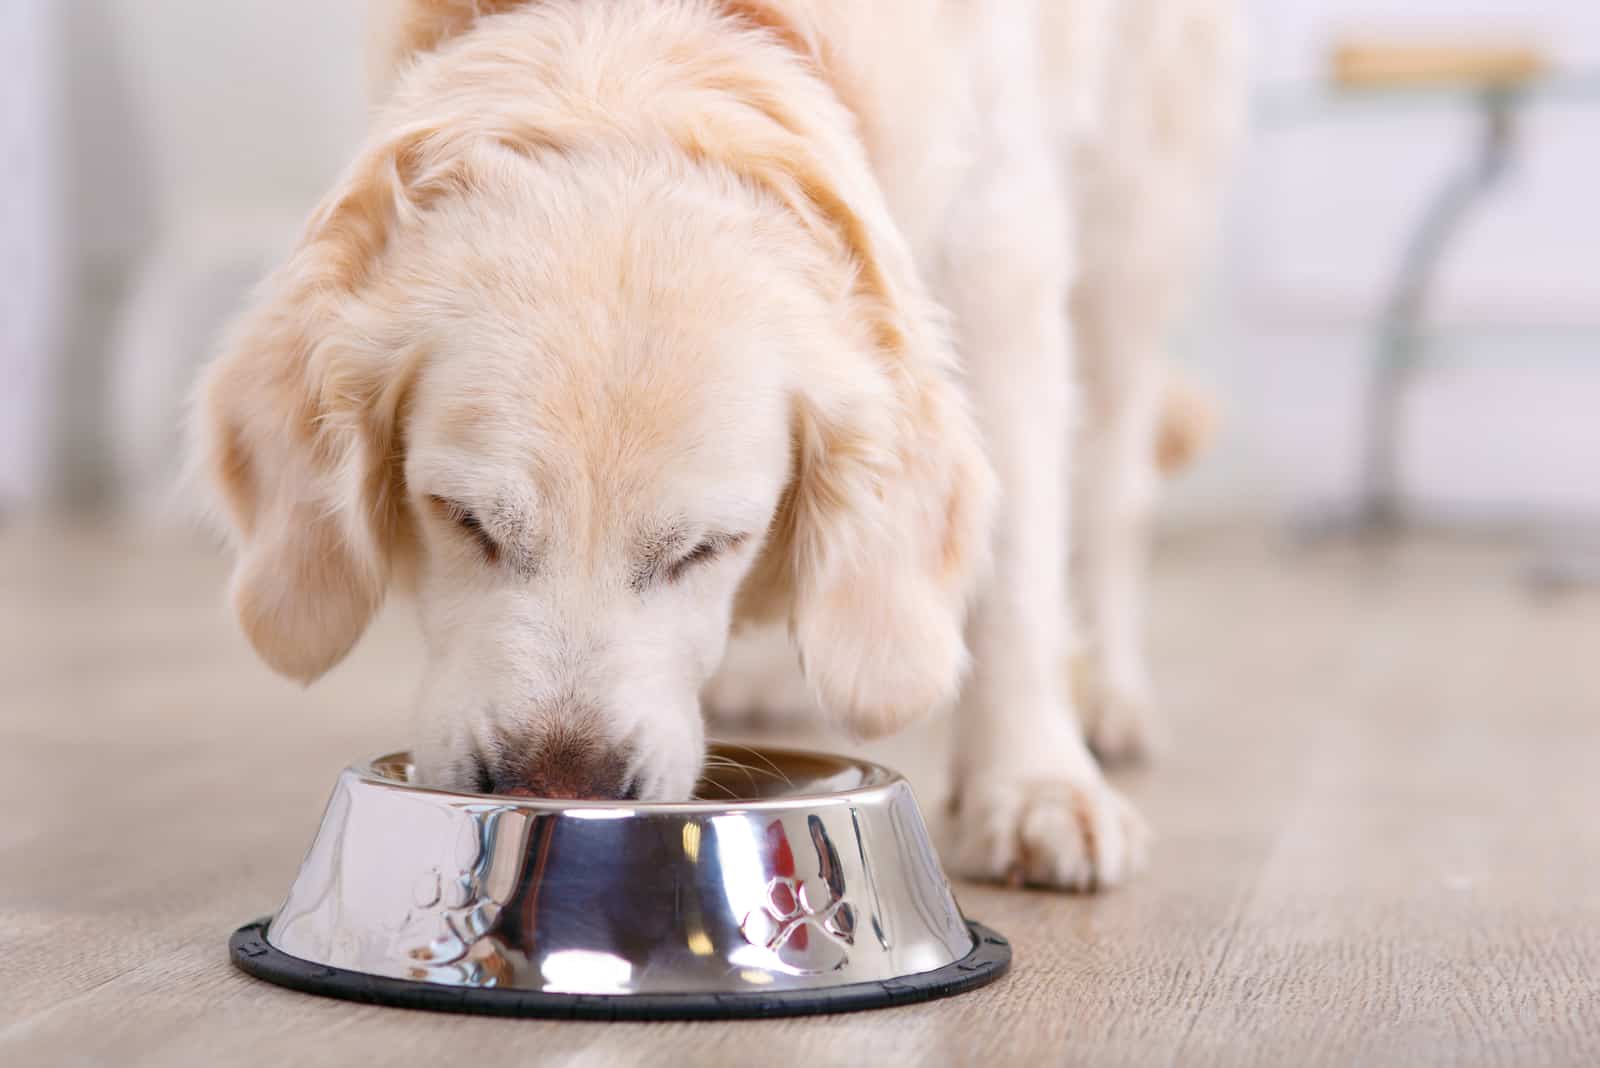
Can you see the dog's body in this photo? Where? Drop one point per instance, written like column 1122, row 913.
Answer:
column 638, row 316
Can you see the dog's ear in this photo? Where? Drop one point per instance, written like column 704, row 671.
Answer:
column 884, row 530
column 887, row 530
column 296, row 424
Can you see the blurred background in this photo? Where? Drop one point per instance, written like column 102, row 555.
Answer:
column 160, row 153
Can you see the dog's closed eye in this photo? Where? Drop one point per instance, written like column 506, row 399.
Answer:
column 467, row 521
column 707, row 550
column 661, row 562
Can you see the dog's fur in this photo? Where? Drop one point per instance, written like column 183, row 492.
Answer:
column 635, row 318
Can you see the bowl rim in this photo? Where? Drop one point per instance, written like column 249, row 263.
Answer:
column 884, row 781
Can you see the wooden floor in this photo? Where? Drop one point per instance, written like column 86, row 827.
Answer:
column 1379, row 834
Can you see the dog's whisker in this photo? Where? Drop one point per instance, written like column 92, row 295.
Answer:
column 712, row 782
column 774, row 769
column 724, row 763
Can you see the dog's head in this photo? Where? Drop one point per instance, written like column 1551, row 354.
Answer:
column 589, row 403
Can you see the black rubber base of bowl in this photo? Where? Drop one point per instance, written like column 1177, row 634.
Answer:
column 250, row 952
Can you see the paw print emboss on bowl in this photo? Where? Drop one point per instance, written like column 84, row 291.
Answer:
column 444, row 934
column 807, row 923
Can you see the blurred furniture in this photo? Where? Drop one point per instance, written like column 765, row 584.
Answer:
column 1381, row 64
column 1497, row 81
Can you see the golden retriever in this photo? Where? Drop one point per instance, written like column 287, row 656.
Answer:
column 635, row 319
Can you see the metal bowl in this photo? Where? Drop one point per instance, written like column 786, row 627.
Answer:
column 803, row 882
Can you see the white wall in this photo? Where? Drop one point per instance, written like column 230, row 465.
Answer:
column 30, row 239
column 194, row 109
column 191, row 136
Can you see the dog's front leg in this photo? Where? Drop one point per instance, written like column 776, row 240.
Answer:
column 1029, row 803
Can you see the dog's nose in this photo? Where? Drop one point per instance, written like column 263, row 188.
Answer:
column 565, row 769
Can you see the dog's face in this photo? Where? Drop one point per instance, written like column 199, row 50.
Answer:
column 592, row 471
column 588, row 408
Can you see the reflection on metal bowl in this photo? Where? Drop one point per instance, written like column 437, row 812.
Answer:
column 808, row 884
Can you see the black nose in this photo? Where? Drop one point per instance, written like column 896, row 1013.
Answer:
column 570, row 765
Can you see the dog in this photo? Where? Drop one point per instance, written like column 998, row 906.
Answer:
column 637, row 321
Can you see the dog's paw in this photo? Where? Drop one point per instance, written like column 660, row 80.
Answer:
column 759, row 683
column 1059, row 833
column 1116, row 710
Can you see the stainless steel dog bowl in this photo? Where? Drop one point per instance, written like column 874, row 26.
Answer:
column 804, row 883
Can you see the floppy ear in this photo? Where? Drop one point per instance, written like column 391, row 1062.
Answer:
column 885, row 528
column 295, row 430
column 887, row 532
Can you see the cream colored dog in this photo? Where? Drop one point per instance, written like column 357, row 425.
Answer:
column 635, row 318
